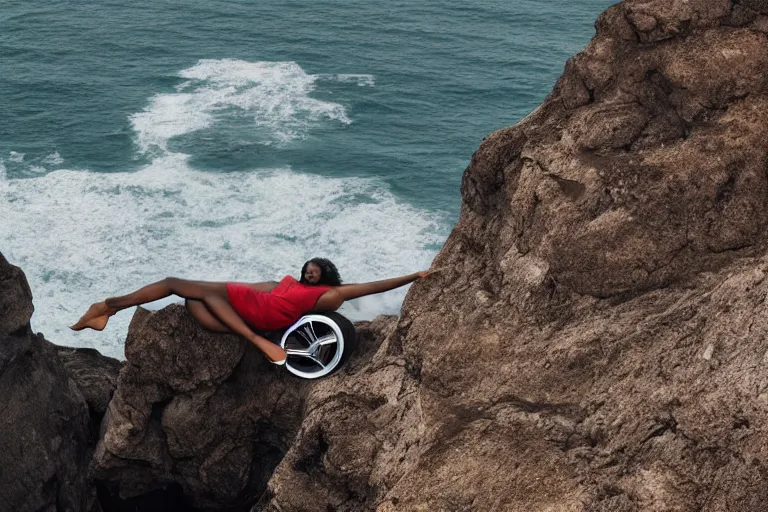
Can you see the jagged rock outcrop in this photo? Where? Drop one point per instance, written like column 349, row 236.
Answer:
column 200, row 420
column 95, row 376
column 45, row 441
column 351, row 412
column 15, row 300
column 196, row 411
column 191, row 421
column 597, row 340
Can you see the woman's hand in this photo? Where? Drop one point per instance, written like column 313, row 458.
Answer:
column 425, row 273
column 333, row 298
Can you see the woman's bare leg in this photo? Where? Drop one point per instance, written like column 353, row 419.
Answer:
column 213, row 294
column 202, row 314
column 220, row 307
column 98, row 314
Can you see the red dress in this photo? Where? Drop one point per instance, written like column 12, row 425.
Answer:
column 275, row 309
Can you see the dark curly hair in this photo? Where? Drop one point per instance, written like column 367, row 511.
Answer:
column 329, row 275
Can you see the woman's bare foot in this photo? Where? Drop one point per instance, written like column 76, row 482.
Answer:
column 276, row 355
column 96, row 317
column 273, row 352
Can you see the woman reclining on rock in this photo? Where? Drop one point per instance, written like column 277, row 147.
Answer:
column 241, row 307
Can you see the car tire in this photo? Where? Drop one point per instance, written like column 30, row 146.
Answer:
column 318, row 345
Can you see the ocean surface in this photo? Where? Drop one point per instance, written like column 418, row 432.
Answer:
column 234, row 140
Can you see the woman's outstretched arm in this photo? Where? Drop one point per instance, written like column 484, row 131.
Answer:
column 354, row 291
column 333, row 298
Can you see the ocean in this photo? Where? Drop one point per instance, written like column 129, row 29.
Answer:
column 232, row 141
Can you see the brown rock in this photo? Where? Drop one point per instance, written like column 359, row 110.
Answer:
column 741, row 15
column 95, row 376
column 352, row 415
column 195, row 410
column 571, row 88
column 761, row 23
column 760, row 6
column 642, row 21
column 596, row 340
column 15, row 300
column 656, row 20
column 45, row 443
column 608, row 126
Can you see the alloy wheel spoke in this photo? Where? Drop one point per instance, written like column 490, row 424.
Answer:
column 297, row 352
column 303, row 342
column 305, row 336
column 312, row 327
column 324, row 340
column 317, row 361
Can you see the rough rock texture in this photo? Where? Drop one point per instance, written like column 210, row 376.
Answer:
column 349, row 413
column 597, row 341
column 201, row 411
column 95, row 376
column 15, row 300
column 45, row 442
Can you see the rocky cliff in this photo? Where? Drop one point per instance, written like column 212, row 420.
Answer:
column 49, row 408
column 597, row 341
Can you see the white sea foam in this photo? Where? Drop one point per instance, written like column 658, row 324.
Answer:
column 275, row 95
column 53, row 159
column 34, row 166
column 360, row 80
column 82, row 236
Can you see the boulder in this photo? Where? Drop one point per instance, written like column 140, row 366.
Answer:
column 202, row 414
column 95, row 376
column 15, row 300
column 45, row 442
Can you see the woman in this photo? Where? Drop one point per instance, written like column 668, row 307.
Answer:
column 241, row 307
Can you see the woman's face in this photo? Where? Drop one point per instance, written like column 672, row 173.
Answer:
column 313, row 273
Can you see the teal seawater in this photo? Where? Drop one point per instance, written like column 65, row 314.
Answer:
column 230, row 140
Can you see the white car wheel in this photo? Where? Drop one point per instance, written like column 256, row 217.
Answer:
column 316, row 344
